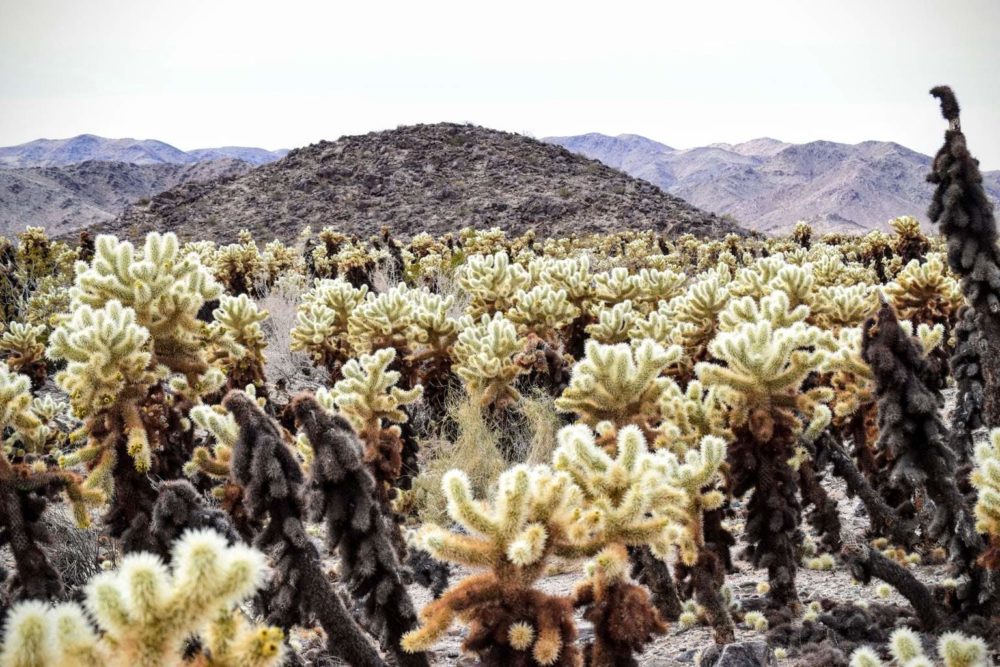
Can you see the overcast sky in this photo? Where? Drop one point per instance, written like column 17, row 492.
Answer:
column 282, row 73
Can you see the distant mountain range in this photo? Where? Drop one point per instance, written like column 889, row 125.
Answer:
column 65, row 199
column 768, row 185
column 62, row 152
column 422, row 178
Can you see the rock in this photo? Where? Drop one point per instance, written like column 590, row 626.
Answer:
column 740, row 654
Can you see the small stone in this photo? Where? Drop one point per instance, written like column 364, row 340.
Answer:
column 740, row 654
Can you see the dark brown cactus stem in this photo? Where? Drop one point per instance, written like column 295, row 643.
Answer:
column 964, row 213
column 824, row 516
column 342, row 494
column 774, row 513
column 867, row 563
column 300, row 592
column 707, row 578
column 23, row 498
column 883, row 520
column 654, row 574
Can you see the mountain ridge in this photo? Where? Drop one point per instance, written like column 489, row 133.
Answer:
column 768, row 184
column 90, row 147
column 434, row 178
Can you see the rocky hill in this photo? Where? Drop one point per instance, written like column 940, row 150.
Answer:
column 769, row 185
column 66, row 199
column 423, row 178
column 62, row 152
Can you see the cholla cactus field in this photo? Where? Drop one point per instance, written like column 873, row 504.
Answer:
column 598, row 450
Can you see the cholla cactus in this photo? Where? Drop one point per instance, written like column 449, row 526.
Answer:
column 697, row 311
column 26, row 484
column 614, row 325
column 616, row 286
column 381, row 321
column 271, row 480
column 760, row 379
column 699, row 478
column 965, row 215
column 571, row 274
column 240, row 266
column 532, row 518
column 911, row 432
column 321, row 323
column 491, row 281
column 241, row 342
column 910, row 243
column 689, row 415
column 22, row 344
column 954, row 649
column 925, row 293
column 658, row 285
column 369, row 398
column 776, row 308
column 484, row 360
column 146, row 613
column 341, row 494
column 163, row 289
column 109, row 372
column 837, row 306
column 619, row 384
column 543, row 311
column 986, row 479
column 628, row 497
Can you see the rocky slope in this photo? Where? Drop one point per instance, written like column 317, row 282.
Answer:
column 66, row 199
column 62, row 152
column 768, row 185
column 423, row 178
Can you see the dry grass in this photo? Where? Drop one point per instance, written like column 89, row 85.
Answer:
column 281, row 365
column 475, row 451
column 537, row 438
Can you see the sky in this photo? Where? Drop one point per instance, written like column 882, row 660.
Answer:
column 281, row 74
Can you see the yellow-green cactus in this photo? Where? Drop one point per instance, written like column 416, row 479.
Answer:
column 614, row 325
column 164, row 289
column 15, row 404
column 322, row 320
column 776, row 308
column 382, row 320
column 618, row 383
column 484, row 359
column 954, row 650
column 240, row 339
column 543, row 311
column 688, row 415
column 146, row 612
column 761, row 375
column 628, row 497
column 108, row 370
column 925, row 293
column 368, row 396
column 22, row 344
column 699, row 477
column 616, row 286
column 491, row 281
column 837, row 306
column 533, row 516
column 986, row 478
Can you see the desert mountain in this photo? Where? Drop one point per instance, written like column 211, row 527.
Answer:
column 65, row 199
column 769, row 185
column 62, row 152
column 423, row 178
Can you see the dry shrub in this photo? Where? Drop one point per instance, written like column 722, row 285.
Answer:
column 281, row 364
column 476, row 451
column 536, row 440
